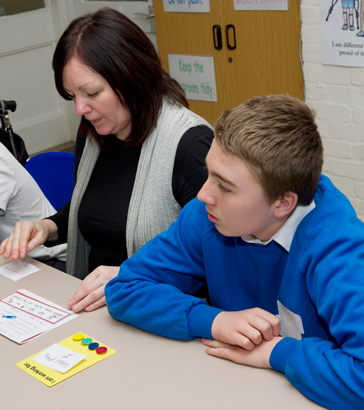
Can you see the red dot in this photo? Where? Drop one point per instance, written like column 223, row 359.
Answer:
column 101, row 350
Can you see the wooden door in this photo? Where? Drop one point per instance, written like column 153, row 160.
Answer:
column 266, row 59
column 191, row 34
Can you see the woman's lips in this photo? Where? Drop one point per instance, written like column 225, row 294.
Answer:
column 95, row 122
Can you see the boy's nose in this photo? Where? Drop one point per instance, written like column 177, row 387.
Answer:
column 205, row 194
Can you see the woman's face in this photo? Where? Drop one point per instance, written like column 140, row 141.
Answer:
column 95, row 99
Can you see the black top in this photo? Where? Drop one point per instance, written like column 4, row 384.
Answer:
column 104, row 207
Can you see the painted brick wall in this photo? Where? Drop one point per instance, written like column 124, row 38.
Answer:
column 337, row 95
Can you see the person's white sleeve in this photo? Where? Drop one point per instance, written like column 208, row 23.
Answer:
column 8, row 186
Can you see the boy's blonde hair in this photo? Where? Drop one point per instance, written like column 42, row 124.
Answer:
column 277, row 137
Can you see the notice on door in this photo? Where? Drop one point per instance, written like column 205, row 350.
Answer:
column 195, row 74
column 187, row 6
column 281, row 5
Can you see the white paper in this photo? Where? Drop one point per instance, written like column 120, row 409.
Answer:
column 195, row 74
column 281, row 5
column 17, row 270
column 24, row 315
column 187, row 6
column 59, row 358
column 291, row 323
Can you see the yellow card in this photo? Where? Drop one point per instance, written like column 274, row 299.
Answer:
column 51, row 377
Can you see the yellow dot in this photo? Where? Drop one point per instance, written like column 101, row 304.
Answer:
column 78, row 336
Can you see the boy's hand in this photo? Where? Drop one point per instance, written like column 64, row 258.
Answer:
column 90, row 295
column 246, row 328
column 258, row 357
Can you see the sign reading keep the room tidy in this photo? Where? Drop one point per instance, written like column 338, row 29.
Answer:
column 195, row 74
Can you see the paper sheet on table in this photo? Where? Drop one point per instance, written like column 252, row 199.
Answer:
column 59, row 358
column 17, row 270
column 24, row 315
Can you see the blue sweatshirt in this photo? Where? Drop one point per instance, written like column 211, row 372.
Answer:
column 317, row 289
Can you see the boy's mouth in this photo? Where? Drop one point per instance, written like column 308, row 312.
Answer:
column 212, row 218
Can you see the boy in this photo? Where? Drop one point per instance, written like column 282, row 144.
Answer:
column 269, row 236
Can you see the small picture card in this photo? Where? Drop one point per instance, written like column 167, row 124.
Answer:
column 17, row 270
column 59, row 358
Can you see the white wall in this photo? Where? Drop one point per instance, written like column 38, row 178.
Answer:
column 337, row 94
column 27, row 42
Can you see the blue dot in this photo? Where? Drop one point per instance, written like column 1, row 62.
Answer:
column 93, row 346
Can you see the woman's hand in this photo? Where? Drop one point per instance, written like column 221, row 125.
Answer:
column 26, row 236
column 90, row 295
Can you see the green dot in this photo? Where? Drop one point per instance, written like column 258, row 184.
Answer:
column 86, row 341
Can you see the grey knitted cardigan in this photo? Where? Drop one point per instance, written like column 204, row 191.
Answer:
column 152, row 206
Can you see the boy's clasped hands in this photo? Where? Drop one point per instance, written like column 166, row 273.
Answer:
column 246, row 337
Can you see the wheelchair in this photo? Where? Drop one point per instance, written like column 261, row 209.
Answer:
column 13, row 142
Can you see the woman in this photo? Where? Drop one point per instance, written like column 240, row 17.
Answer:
column 139, row 152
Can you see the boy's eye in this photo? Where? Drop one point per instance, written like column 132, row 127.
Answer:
column 223, row 188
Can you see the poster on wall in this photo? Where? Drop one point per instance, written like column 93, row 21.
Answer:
column 342, row 37
column 187, row 6
column 281, row 5
column 195, row 74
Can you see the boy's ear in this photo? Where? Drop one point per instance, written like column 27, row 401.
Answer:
column 285, row 205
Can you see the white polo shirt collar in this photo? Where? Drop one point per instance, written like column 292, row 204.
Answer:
column 284, row 236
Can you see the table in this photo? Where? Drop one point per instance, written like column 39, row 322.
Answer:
column 147, row 372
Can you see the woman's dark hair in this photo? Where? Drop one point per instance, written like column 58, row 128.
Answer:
column 114, row 47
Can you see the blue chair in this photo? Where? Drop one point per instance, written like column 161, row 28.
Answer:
column 53, row 172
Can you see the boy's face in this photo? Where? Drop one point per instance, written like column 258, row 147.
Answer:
column 235, row 201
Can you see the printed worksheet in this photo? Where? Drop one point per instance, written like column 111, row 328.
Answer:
column 24, row 315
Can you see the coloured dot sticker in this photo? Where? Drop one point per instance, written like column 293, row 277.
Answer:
column 93, row 346
column 78, row 337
